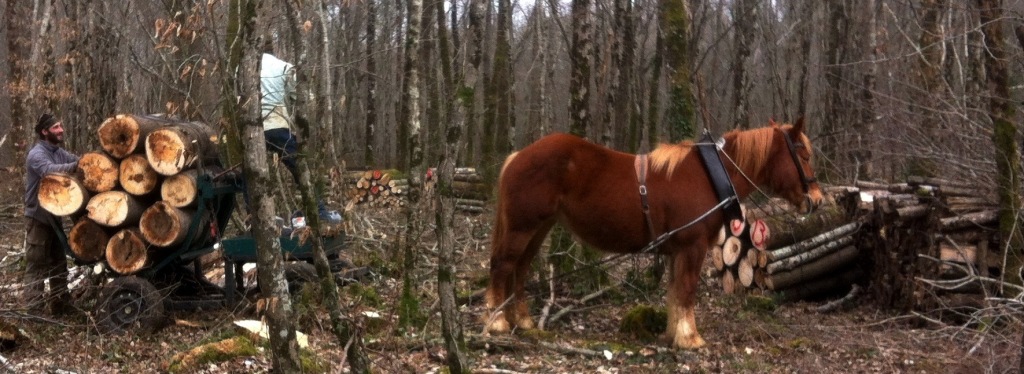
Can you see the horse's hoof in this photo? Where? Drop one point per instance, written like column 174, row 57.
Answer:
column 498, row 326
column 526, row 324
column 691, row 342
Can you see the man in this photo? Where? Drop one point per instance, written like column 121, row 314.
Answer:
column 45, row 259
column 277, row 86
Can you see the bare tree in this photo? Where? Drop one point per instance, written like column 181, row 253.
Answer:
column 343, row 330
column 1002, row 112
column 444, row 203
column 273, row 287
column 744, row 23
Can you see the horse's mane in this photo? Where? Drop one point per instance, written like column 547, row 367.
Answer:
column 752, row 148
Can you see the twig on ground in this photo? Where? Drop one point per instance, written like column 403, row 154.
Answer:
column 495, row 371
column 842, row 303
column 507, row 342
column 551, row 298
column 584, row 300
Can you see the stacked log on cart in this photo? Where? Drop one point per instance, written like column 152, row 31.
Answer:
column 134, row 197
column 383, row 188
column 776, row 251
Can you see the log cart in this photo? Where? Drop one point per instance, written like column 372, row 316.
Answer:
column 147, row 226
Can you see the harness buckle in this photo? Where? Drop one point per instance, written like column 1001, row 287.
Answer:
column 643, row 190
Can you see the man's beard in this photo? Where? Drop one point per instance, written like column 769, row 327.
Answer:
column 54, row 138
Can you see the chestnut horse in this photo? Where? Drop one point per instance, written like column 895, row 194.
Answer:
column 593, row 191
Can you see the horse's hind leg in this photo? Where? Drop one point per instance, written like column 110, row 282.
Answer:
column 505, row 257
column 520, row 314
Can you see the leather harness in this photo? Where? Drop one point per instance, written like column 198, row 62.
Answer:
column 713, row 165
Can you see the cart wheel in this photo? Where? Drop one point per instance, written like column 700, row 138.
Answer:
column 128, row 303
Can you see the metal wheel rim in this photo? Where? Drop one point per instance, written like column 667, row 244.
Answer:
column 125, row 307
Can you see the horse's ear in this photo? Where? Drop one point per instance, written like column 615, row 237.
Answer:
column 798, row 127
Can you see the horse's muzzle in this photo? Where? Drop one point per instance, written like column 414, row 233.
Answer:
column 811, row 203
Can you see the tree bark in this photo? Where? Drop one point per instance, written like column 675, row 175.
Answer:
column 62, row 194
column 284, row 349
column 99, row 171
column 794, row 249
column 1002, row 112
column 444, row 218
column 579, row 61
column 790, row 263
column 346, row 334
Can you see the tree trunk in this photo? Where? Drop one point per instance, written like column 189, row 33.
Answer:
column 444, row 219
column 88, row 240
column 284, row 349
column 125, row 134
column 172, row 149
column 410, row 314
column 579, row 61
column 1002, row 112
column 136, row 176
column 127, row 252
column 115, row 208
column 744, row 23
column 346, row 334
column 99, row 171
column 812, row 270
column 62, row 194
column 180, row 190
column 370, row 127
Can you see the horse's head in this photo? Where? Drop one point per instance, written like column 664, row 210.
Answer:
column 790, row 171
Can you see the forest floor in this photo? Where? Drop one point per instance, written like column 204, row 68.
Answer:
column 744, row 334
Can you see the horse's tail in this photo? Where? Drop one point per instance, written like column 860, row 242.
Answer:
column 498, row 236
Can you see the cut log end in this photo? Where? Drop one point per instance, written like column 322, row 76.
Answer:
column 136, row 176
column 732, row 250
column 114, row 208
column 62, row 194
column 164, row 225
column 180, row 190
column 126, row 252
column 99, row 171
column 88, row 240
column 166, row 151
column 119, row 135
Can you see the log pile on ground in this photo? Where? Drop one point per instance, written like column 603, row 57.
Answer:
column 387, row 188
column 929, row 228
column 798, row 257
column 468, row 189
column 131, row 200
column 380, row 188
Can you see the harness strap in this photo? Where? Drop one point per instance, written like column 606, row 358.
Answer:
column 640, row 166
column 719, row 177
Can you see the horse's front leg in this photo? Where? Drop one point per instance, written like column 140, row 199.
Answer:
column 684, row 275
